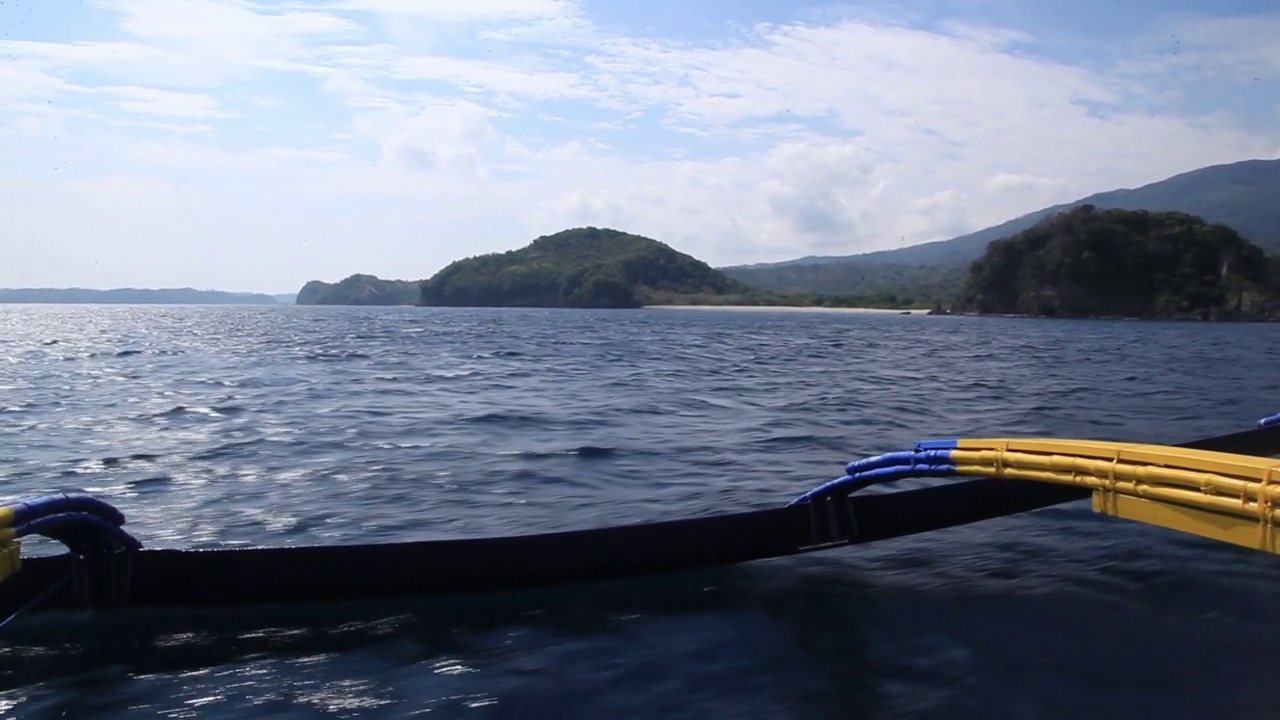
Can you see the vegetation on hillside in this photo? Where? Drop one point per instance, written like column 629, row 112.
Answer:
column 585, row 267
column 1082, row 261
column 765, row 298
column 865, row 284
column 359, row 290
column 581, row 267
column 1088, row 262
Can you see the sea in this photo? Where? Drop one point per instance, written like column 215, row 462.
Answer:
column 235, row 426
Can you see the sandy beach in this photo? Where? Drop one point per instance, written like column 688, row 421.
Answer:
column 786, row 308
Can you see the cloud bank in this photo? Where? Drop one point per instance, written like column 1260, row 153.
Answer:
column 255, row 146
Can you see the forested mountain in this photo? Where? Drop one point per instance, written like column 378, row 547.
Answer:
column 1088, row 262
column 580, row 267
column 359, row 290
column 1244, row 196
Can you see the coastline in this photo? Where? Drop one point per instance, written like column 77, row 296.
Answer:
column 788, row 308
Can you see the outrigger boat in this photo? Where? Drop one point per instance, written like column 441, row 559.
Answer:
column 1224, row 488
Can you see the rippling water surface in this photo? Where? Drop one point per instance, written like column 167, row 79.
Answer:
column 279, row 426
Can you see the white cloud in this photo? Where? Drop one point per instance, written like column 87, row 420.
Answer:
column 870, row 78
column 29, row 125
column 463, row 11
column 418, row 24
column 942, row 213
column 820, row 189
column 990, row 37
column 19, row 83
column 224, row 27
column 441, row 136
column 200, row 43
column 64, row 55
column 187, row 155
column 148, row 101
column 1003, row 182
column 167, row 127
column 490, row 76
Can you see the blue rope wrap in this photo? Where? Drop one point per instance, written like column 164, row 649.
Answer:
column 930, row 458
column 81, row 522
column 85, row 524
column 910, row 458
column 26, row 511
column 1269, row 420
column 78, row 529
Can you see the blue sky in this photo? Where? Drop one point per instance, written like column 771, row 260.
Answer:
column 258, row 145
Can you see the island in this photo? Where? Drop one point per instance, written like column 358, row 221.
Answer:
column 1081, row 262
column 359, row 289
column 585, row 267
column 1087, row 262
column 133, row 296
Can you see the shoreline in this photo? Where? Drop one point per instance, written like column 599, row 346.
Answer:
column 789, row 308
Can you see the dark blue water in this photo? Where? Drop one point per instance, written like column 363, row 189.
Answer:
column 279, row 426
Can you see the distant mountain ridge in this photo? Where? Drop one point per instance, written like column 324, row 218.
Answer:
column 133, row 296
column 910, row 284
column 1243, row 195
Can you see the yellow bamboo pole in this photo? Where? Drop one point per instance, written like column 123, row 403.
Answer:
column 1223, row 496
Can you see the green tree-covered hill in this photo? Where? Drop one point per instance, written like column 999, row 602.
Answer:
column 359, row 290
column 580, row 267
column 1088, row 262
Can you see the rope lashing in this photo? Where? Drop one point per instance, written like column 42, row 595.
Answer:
column 1198, row 491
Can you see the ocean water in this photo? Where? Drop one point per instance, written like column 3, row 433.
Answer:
column 214, row 426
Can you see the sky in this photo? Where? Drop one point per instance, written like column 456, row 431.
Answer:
column 257, row 145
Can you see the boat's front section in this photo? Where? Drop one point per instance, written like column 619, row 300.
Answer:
column 1224, row 488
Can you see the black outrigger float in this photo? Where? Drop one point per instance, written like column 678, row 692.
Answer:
column 1220, row 487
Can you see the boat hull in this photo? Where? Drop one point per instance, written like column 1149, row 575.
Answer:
column 316, row 574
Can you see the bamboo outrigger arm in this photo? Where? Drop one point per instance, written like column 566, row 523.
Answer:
column 1229, row 497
